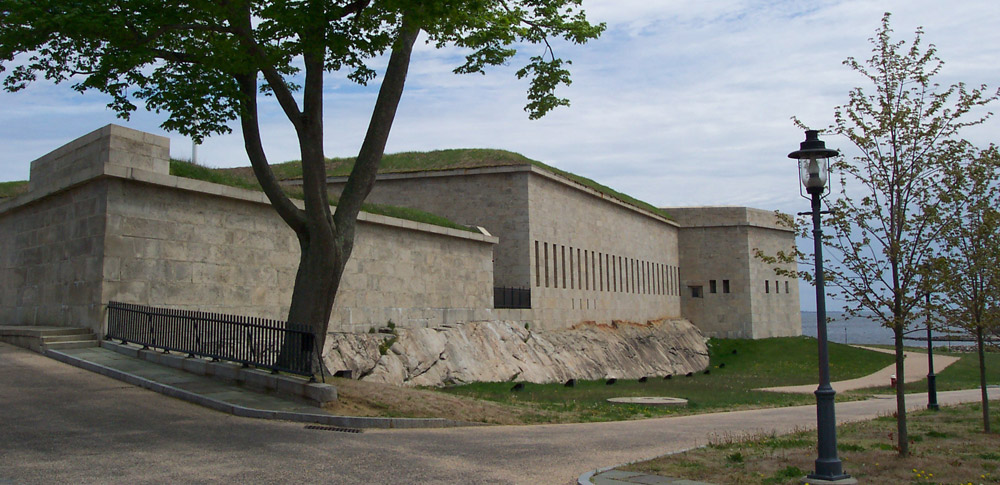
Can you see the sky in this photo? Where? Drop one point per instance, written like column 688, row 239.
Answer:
column 679, row 103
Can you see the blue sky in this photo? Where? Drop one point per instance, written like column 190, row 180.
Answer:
column 679, row 103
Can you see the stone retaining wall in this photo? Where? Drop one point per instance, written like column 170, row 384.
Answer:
column 105, row 221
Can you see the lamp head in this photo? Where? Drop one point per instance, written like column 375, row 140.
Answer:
column 814, row 162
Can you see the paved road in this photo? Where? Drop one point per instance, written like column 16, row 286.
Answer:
column 914, row 368
column 60, row 424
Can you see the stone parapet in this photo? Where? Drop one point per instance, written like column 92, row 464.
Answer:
column 726, row 216
column 111, row 145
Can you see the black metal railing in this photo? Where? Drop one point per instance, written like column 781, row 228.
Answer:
column 511, row 297
column 259, row 342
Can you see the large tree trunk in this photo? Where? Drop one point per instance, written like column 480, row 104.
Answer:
column 982, row 379
column 326, row 240
column 902, row 438
column 321, row 266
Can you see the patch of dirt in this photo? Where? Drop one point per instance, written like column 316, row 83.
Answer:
column 360, row 398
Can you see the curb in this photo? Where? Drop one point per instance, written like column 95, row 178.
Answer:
column 585, row 478
column 236, row 410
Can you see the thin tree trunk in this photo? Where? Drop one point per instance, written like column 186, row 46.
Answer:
column 982, row 379
column 902, row 438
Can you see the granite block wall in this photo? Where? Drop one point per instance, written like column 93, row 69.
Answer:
column 493, row 198
column 50, row 258
column 726, row 291
column 533, row 211
column 595, row 259
column 104, row 221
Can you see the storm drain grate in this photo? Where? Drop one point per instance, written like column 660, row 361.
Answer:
column 333, row 428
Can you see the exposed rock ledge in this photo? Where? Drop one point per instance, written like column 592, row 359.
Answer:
column 505, row 351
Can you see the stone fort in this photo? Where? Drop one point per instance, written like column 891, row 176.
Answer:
column 103, row 220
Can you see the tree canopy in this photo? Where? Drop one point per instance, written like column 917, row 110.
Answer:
column 182, row 58
column 208, row 63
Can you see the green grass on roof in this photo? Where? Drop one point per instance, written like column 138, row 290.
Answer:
column 11, row 189
column 244, row 180
column 405, row 162
column 452, row 159
column 603, row 189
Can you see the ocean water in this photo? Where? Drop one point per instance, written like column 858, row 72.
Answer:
column 844, row 328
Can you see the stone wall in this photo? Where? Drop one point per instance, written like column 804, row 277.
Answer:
column 535, row 212
column 492, row 198
column 52, row 238
column 103, row 220
column 726, row 291
column 112, row 231
column 201, row 251
column 51, row 258
column 597, row 259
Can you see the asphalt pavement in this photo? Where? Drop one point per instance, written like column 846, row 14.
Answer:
column 61, row 424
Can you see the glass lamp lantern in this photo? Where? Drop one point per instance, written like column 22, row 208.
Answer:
column 814, row 162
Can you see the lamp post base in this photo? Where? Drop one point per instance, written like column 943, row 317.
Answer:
column 819, row 481
column 932, row 403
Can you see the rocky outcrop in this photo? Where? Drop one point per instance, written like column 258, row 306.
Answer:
column 505, row 351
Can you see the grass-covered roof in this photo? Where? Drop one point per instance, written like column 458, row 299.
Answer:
column 10, row 189
column 437, row 160
column 405, row 162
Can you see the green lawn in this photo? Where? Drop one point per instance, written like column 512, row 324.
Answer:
column 755, row 364
column 946, row 447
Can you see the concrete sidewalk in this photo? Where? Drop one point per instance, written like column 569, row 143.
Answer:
column 914, row 368
column 222, row 395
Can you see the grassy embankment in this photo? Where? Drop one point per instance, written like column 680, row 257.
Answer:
column 244, row 179
column 464, row 158
column 737, row 367
column 391, row 163
column 946, row 447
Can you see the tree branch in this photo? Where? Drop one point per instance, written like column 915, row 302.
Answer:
column 292, row 215
column 362, row 178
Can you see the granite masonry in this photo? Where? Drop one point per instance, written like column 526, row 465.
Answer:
column 586, row 255
column 726, row 291
column 103, row 220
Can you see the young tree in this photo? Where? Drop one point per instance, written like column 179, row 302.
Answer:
column 208, row 62
column 884, row 217
column 967, row 272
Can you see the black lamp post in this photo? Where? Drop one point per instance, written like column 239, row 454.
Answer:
column 814, row 171
column 932, row 403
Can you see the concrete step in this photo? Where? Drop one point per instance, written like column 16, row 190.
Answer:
column 49, row 339
column 73, row 344
column 36, row 337
column 38, row 332
column 59, row 332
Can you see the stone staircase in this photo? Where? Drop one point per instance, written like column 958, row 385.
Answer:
column 41, row 339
